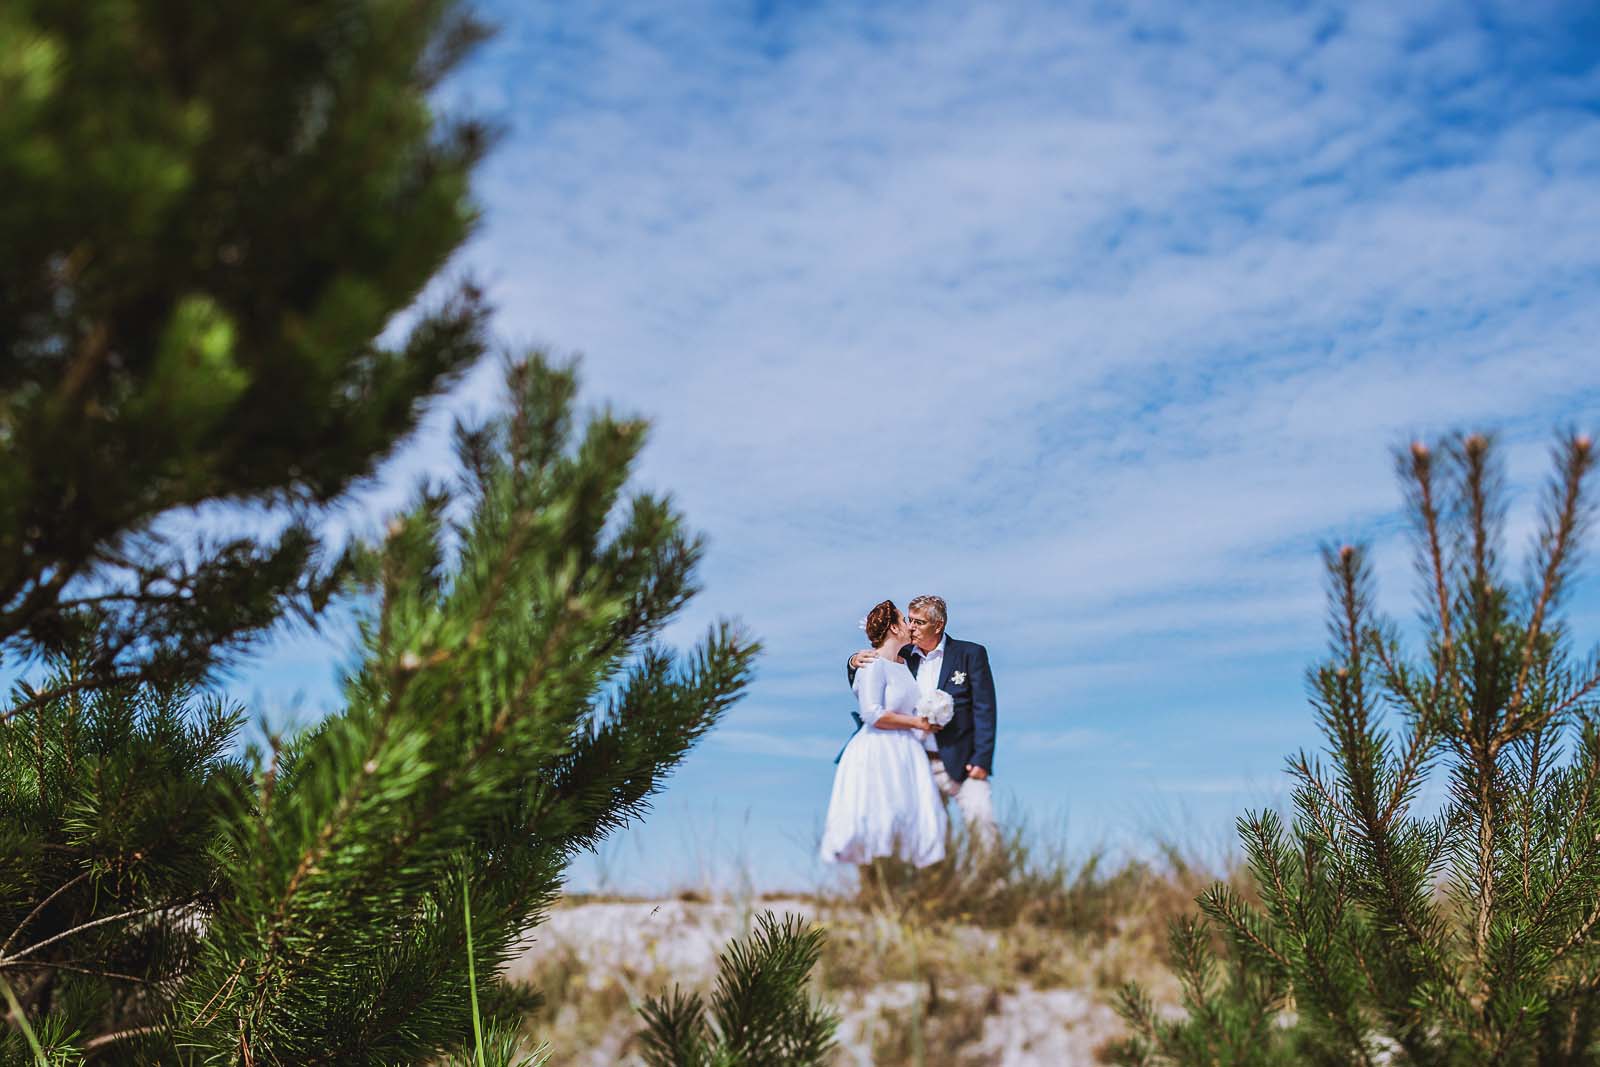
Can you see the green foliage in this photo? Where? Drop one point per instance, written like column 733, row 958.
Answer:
column 219, row 221
column 1388, row 935
column 760, row 1014
column 512, row 706
column 1230, row 1013
column 212, row 216
column 501, row 1046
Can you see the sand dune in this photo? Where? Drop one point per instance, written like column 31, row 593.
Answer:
column 596, row 961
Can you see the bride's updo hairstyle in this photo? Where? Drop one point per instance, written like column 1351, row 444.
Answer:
column 879, row 622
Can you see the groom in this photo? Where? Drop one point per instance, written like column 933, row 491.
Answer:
column 964, row 757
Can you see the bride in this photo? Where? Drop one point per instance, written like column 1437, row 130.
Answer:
column 884, row 799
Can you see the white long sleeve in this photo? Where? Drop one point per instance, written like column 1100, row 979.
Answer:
column 872, row 683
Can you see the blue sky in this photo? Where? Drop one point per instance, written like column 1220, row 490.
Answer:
column 1094, row 319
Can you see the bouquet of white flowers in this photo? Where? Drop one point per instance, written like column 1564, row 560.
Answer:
column 937, row 707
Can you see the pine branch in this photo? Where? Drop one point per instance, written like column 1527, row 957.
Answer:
column 1419, row 745
column 120, row 1035
column 1557, row 537
column 759, row 1013
column 1588, row 686
column 1351, row 921
column 1562, row 866
column 35, row 701
column 674, row 1029
column 34, row 914
column 1426, row 510
column 98, row 972
column 1222, row 904
column 1578, row 934
column 7, row 961
column 1303, row 769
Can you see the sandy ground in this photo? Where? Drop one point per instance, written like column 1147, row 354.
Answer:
column 632, row 950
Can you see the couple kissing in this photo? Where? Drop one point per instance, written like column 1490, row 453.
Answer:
column 925, row 731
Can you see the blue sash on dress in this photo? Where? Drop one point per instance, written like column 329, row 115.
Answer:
column 856, row 715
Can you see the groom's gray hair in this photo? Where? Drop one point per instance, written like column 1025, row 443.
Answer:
column 932, row 606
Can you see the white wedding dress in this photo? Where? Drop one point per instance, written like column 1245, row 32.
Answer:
column 884, row 800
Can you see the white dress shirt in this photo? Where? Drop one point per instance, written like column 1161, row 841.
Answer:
column 928, row 670
column 928, row 680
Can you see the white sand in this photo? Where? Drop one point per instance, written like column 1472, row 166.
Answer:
column 642, row 948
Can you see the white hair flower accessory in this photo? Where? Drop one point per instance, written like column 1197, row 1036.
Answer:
column 938, row 707
column 862, row 625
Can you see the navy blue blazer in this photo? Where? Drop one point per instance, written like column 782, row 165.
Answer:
column 969, row 736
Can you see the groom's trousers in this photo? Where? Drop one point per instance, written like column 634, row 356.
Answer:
column 973, row 797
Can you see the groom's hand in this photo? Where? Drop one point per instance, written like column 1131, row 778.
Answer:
column 864, row 657
column 975, row 771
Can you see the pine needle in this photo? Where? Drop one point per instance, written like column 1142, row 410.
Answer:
column 472, row 967
column 22, row 1023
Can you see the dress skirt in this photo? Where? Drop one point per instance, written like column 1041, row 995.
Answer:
column 884, row 802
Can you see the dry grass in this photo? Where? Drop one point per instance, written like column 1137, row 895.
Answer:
column 950, row 964
column 1021, row 914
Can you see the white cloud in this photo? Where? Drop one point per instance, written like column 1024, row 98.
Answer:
column 1249, row 788
column 1058, row 740
column 1097, row 324
column 806, row 747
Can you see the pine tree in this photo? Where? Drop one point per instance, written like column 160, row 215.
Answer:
column 165, row 896
column 1386, row 934
column 213, row 217
column 760, row 1014
column 212, row 213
